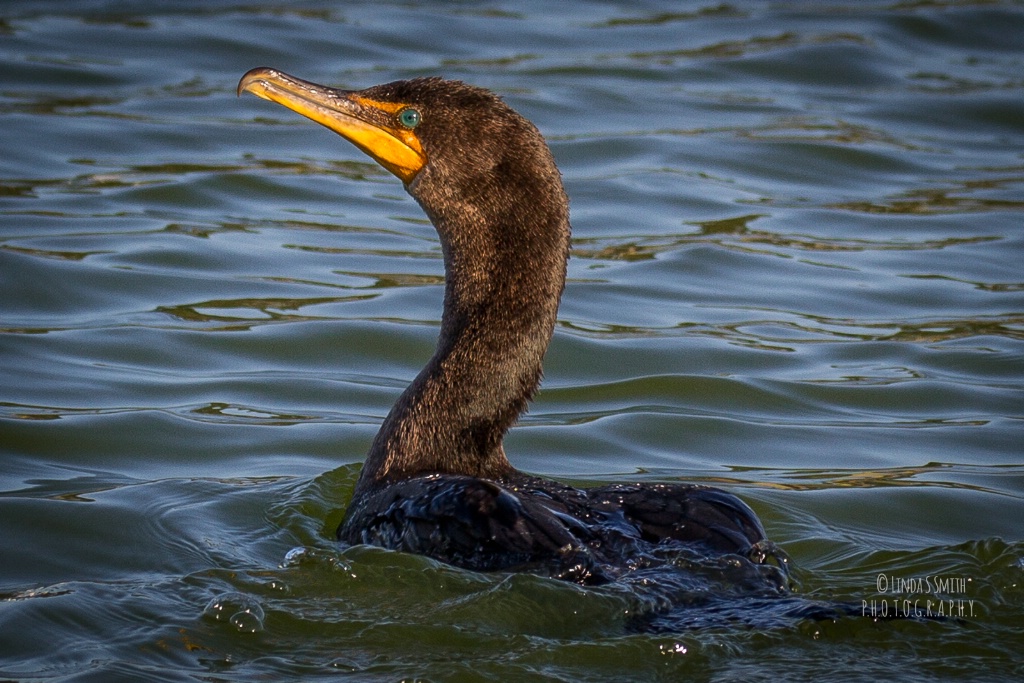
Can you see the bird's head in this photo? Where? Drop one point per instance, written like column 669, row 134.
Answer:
column 455, row 133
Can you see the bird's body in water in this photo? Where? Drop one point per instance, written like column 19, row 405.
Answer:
column 436, row 480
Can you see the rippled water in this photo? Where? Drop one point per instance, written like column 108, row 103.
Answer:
column 797, row 273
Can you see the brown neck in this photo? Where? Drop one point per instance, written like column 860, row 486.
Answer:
column 505, row 268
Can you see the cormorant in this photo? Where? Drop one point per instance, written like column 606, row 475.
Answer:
column 436, row 480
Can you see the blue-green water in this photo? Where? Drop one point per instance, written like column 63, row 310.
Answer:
column 798, row 272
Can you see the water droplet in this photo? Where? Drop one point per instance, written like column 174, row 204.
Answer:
column 248, row 620
column 293, row 557
column 242, row 611
column 314, row 557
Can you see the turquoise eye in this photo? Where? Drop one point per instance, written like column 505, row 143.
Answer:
column 410, row 118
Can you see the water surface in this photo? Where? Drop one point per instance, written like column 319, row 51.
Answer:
column 796, row 274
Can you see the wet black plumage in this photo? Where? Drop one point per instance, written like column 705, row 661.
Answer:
column 436, row 480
